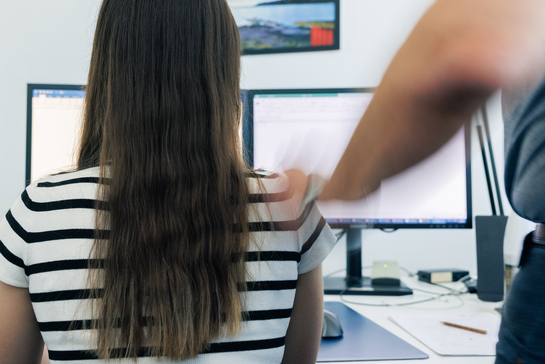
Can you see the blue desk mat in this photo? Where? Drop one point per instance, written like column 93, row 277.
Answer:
column 363, row 340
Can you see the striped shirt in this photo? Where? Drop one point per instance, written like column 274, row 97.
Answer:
column 46, row 237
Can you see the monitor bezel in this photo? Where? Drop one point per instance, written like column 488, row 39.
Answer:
column 248, row 136
column 30, row 90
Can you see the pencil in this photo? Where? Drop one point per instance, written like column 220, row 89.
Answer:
column 464, row 328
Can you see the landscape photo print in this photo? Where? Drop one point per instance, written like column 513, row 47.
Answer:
column 286, row 25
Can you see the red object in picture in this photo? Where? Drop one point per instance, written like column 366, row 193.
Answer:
column 320, row 37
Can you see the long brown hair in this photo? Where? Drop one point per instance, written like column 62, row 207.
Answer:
column 161, row 120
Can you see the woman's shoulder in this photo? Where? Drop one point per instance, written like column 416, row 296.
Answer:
column 267, row 182
column 67, row 185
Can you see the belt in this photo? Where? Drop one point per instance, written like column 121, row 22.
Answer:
column 539, row 234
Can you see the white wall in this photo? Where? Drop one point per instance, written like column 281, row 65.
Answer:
column 49, row 41
column 41, row 41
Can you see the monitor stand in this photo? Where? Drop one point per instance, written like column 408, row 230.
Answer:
column 354, row 283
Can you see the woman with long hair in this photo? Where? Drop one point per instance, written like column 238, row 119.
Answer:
column 162, row 245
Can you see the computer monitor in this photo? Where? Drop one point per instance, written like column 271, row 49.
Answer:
column 54, row 114
column 310, row 128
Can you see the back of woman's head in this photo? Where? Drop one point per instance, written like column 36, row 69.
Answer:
column 161, row 120
column 164, row 75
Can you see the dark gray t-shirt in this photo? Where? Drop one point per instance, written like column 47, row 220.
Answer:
column 525, row 156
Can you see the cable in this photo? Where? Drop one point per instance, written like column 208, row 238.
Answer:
column 380, row 304
column 461, row 280
column 341, row 234
column 409, row 273
column 429, row 292
column 385, row 304
column 452, row 292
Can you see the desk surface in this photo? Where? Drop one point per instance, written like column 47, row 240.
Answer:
column 466, row 303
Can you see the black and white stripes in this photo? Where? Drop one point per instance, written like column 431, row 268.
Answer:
column 46, row 237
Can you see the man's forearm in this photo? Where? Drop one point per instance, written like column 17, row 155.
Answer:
column 457, row 56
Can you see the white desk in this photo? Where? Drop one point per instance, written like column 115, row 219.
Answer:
column 466, row 303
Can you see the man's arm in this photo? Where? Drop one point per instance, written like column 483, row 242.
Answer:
column 459, row 53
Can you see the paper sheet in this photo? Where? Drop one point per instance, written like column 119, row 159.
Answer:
column 446, row 340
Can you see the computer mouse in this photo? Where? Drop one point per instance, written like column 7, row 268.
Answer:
column 332, row 326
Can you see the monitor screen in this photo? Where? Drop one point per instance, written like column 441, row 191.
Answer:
column 54, row 115
column 310, row 129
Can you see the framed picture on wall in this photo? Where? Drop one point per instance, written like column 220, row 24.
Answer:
column 286, row 25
